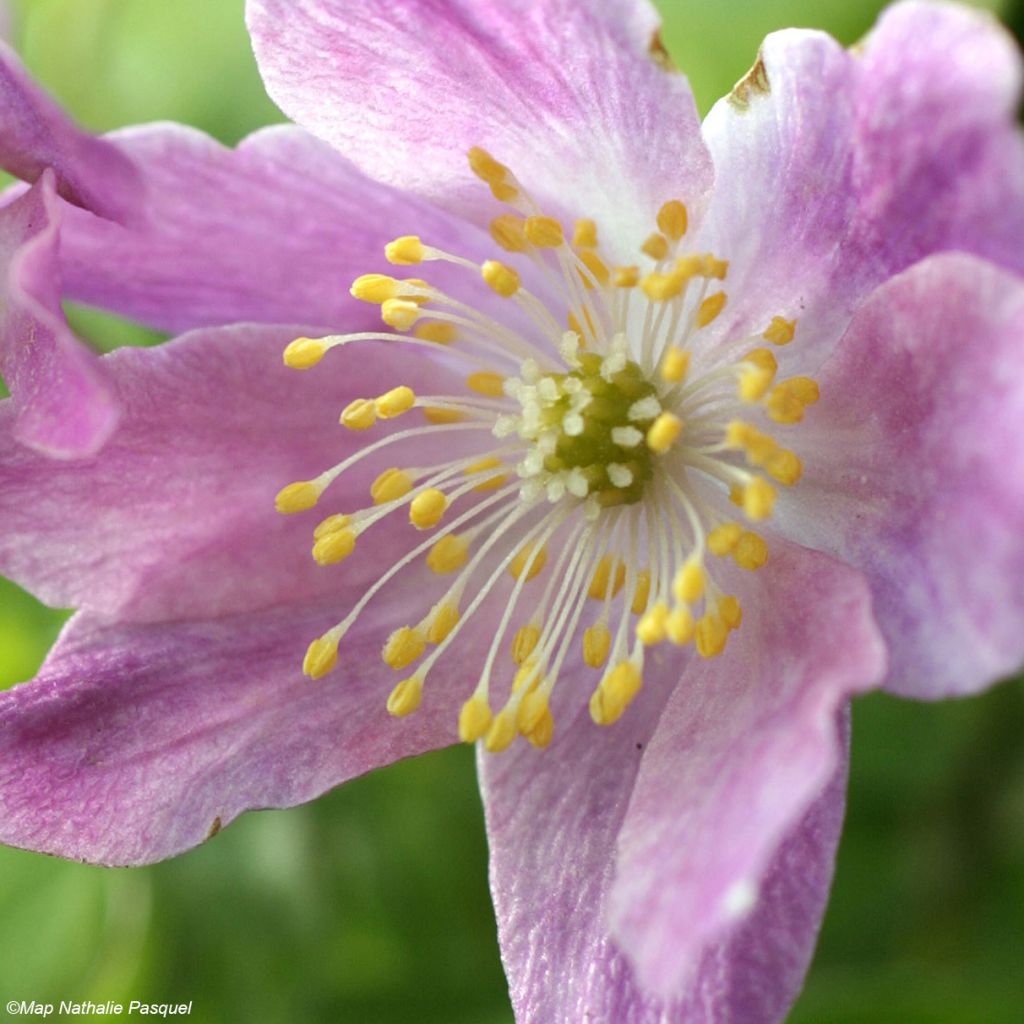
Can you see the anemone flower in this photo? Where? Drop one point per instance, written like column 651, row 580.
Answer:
column 673, row 438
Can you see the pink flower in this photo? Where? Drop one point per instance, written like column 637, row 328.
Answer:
column 813, row 307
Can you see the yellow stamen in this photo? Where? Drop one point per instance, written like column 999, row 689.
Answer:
column 405, row 697
column 730, row 612
column 544, row 232
column 584, row 234
column 625, row 277
column 528, row 563
column 780, row 331
column 303, row 353
column 710, row 308
column 524, row 642
column 403, row 647
column 296, row 497
column 596, row 643
column 722, row 539
column 474, row 719
column 655, row 246
column 399, row 313
column 330, row 525
column 663, row 432
column 527, row 677
column 674, row 365
column 443, row 619
column 404, row 251
column 321, row 657
column 688, row 585
column 641, row 592
column 662, row 287
column 619, row 686
column 426, row 509
column 501, row 279
column 360, row 414
column 501, row 733
column 334, row 547
column 509, row 232
column 485, row 382
column 710, row 636
column 485, row 167
column 751, row 551
column 540, row 735
column 390, row 485
column 439, row 416
column 448, row 554
column 784, row 467
column 437, row 331
column 603, row 574
column 375, row 288
column 672, row 220
column 595, row 265
column 490, row 483
column 758, row 499
column 532, row 708
column 757, row 374
column 650, row 629
column 679, row 626
column 394, row 402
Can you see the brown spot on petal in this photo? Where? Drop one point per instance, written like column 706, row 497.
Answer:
column 754, row 83
column 214, row 828
column 657, row 52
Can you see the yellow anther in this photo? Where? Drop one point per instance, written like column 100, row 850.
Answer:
column 526, row 563
column 485, row 382
column 751, row 551
column 679, row 626
column 489, row 483
column 804, row 389
column 788, row 399
column 672, row 220
column 650, row 629
column 360, row 414
column 532, row 708
column 501, row 733
column 762, row 358
column 303, row 353
column 485, row 167
column 596, row 642
column 655, row 246
column 390, row 485
column 758, row 499
column 584, row 235
column 540, row 735
column 394, row 402
column 544, row 232
column 419, row 285
column 603, row 576
column 710, row 636
column 405, row 251
column 524, row 642
column 688, row 585
column 330, row 525
column 403, row 647
column 501, row 279
column 405, row 697
column 439, row 416
column 527, row 677
column 321, row 657
column 641, row 592
column 334, row 547
column 400, row 313
column 426, row 509
column 595, row 265
column 779, row 331
column 625, row 277
column 474, row 719
column 736, row 495
column 711, row 266
column 619, row 686
column 444, row 617
column 710, row 308
column 509, row 232
column 784, row 467
column 375, row 288
column 730, row 612
column 437, row 331
column 756, row 375
column 674, row 364
column 296, row 497
column 448, row 554
column 663, row 432
column 503, row 191
column 662, row 287
column 722, row 539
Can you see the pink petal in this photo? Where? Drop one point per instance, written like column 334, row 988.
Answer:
column 273, row 231
column 63, row 402
column 606, row 842
column 914, row 471
column 35, row 134
column 568, row 93
column 138, row 742
column 175, row 517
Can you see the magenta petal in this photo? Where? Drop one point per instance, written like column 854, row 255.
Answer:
column 646, row 837
column 567, row 92
column 63, row 401
column 914, row 470
column 273, row 231
column 744, row 746
column 175, row 516
column 135, row 743
column 35, row 134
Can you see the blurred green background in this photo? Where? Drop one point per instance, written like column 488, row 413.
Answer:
column 371, row 905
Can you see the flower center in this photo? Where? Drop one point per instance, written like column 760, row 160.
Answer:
column 613, row 426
